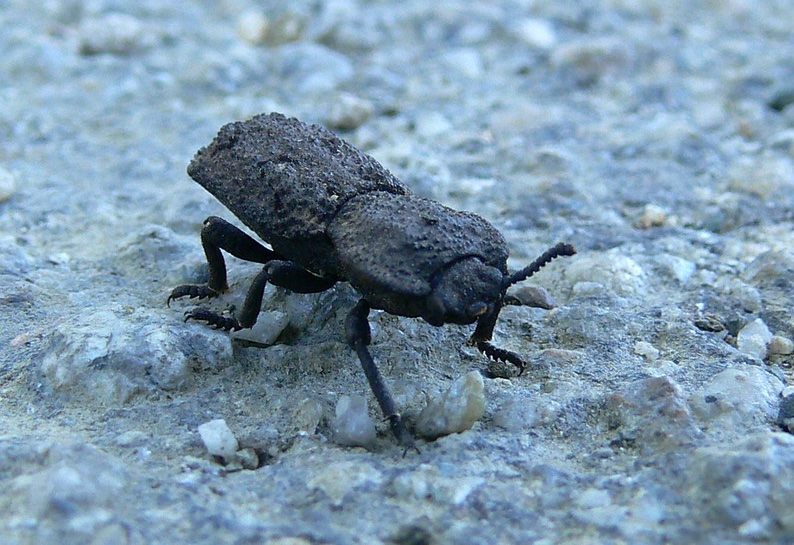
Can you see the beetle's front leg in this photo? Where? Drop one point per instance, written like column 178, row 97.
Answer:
column 218, row 234
column 358, row 336
column 481, row 338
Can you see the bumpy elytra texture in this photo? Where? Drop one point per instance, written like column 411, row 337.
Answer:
column 335, row 210
column 286, row 181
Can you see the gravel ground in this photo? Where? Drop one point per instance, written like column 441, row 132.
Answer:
column 656, row 136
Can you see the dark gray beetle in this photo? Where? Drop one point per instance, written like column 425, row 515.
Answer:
column 332, row 214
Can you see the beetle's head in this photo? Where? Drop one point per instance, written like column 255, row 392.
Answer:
column 463, row 292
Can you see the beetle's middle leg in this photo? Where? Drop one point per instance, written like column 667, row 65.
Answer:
column 359, row 336
column 218, row 234
column 286, row 274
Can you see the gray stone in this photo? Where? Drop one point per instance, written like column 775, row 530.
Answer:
column 218, row 438
column 738, row 399
column 112, row 359
column 352, row 425
column 8, row 184
column 456, row 410
column 653, row 415
column 750, row 488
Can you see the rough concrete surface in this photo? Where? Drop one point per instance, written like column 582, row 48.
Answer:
column 655, row 136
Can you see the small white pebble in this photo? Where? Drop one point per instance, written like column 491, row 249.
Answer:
column 252, row 26
column 536, row 32
column 266, row 330
column 8, row 184
column 255, row 27
column 218, row 438
column 753, row 338
column 352, row 425
column 652, row 216
column 116, row 33
column 131, row 438
column 348, row 112
column 457, row 410
column 646, row 350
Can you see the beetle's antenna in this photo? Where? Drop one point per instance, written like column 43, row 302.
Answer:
column 558, row 250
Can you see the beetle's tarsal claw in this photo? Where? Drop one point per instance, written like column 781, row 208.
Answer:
column 558, row 250
column 191, row 290
column 500, row 354
column 218, row 321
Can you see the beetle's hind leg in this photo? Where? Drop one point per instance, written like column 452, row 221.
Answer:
column 218, row 234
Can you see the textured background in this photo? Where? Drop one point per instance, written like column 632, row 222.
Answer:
column 656, row 136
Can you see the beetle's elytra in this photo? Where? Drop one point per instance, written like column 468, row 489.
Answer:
column 333, row 214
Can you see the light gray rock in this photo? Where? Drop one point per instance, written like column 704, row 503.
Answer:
column 352, row 425
column 653, row 415
column 738, row 399
column 74, row 497
column 750, row 488
column 111, row 359
column 753, row 339
column 8, row 184
column 218, row 438
column 456, row 410
column 117, row 33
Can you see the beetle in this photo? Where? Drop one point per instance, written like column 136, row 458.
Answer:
column 332, row 213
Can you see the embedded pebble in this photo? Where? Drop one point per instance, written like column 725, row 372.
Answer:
column 247, row 458
column 8, row 184
column 519, row 414
column 116, row 33
column 111, row 358
column 252, row 26
column 652, row 413
column 466, row 60
column 780, row 346
column 785, row 415
column 677, row 267
column 255, row 27
column 269, row 325
column 753, row 339
column 652, row 216
column 218, row 438
column 132, row 438
column 614, row 271
column 456, row 410
column 348, row 112
column 738, row 398
column 538, row 33
column 338, row 479
column 308, row 415
column 352, row 426
column 74, row 495
column 646, row 350
column 427, row 481
column 311, row 67
column 591, row 59
column 772, row 268
column 748, row 487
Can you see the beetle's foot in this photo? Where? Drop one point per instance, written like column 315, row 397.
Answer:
column 500, row 354
column 215, row 319
column 192, row 290
column 403, row 436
